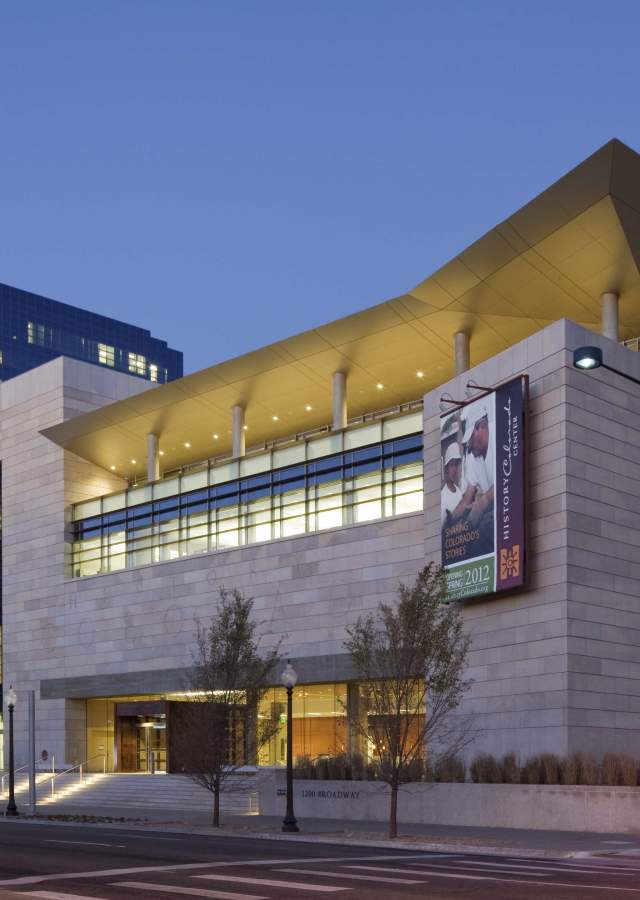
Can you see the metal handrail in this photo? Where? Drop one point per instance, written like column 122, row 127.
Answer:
column 78, row 766
column 7, row 773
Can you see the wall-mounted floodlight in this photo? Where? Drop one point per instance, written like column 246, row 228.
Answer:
column 587, row 358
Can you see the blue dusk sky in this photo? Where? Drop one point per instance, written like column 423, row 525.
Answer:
column 230, row 173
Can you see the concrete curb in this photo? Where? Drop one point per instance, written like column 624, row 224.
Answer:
column 336, row 839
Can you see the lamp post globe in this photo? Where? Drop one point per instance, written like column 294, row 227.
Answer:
column 289, row 679
column 11, row 700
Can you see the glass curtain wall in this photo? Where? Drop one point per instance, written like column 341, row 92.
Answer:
column 319, row 722
column 206, row 510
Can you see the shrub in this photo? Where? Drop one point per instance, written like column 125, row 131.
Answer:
column 618, row 769
column 587, row 770
column 449, row 770
column 485, row 769
column 358, row 767
column 530, row 771
column 304, row 767
column 337, row 767
column 569, row 769
column 629, row 771
column 549, row 769
column 509, row 769
column 416, row 770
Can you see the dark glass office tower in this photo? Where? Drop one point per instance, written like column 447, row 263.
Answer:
column 35, row 329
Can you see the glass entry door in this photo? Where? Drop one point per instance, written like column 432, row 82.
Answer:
column 151, row 745
column 141, row 739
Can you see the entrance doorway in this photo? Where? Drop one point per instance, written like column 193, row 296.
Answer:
column 141, row 738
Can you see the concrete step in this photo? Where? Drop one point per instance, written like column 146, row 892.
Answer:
column 240, row 795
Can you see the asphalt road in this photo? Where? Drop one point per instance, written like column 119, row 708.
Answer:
column 56, row 862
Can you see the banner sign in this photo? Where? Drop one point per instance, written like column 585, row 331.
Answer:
column 482, row 501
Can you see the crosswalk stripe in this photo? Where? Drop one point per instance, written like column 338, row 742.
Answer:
column 426, row 869
column 56, row 895
column 266, row 882
column 541, row 868
column 487, row 877
column 184, row 867
column 177, row 889
column 352, row 877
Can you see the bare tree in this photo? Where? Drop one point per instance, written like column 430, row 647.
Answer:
column 410, row 658
column 220, row 729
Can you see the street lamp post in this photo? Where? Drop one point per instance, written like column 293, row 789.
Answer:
column 12, row 809
column 589, row 358
column 289, row 678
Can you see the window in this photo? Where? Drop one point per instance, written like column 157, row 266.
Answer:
column 196, row 513
column 153, row 372
column 137, row 364
column 39, row 334
column 106, row 355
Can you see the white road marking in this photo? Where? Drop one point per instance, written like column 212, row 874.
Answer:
column 487, row 877
column 83, row 843
column 193, row 892
column 56, row 895
column 183, row 867
column 377, row 878
column 542, row 868
column 265, row 882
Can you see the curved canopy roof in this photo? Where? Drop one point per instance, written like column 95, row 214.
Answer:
column 551, row 259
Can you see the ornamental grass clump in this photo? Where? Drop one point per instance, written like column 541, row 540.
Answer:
column 618, row 769
column 450, row 770
column 549, row 769
column 485, row 769
column 509, row 769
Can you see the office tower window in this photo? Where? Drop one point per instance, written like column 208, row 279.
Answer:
column 137, row 364
column 106, row 355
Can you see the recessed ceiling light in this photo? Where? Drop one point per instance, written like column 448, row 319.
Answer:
column 113, row 468
column 245, row 427
column 187, row 444
column 419, row 374
column 216, row 436
column 380, row 385
column 161, row 452
column 275, row 418
column 133, row 462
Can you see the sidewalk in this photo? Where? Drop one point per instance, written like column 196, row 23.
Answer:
column 494, row 841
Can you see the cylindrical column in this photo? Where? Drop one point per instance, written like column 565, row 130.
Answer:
column 339, row 400
column 461, row 350
column 610, row 321
column 153, row 457
column 32, row 752
column 237, row 431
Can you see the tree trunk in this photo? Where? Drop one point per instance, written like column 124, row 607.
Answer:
column 393, row 812
column 216, row 804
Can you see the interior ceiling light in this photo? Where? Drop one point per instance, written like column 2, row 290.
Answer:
column 113, row 468
column 216, row 436
column 245, row 427
column 308, row 407
column 187, row 444
column 380, row 385
column 419, row 374
column 133, row 462
column 161, row 452
column 275, row 418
